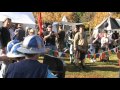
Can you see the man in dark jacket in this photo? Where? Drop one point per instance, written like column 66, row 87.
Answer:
column 5, row 34
column 115, row 37
column 50, row 38
column 61, row 37
column 4, row 39
column 30, row 67
column 19, row 33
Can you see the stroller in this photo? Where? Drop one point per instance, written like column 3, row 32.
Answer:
column 56, row 65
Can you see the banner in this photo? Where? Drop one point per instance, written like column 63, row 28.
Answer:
column 96, row 55
column 40, row 25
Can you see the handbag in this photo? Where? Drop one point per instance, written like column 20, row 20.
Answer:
column 81, row 48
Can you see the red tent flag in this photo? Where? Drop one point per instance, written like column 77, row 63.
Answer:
column 40, row 24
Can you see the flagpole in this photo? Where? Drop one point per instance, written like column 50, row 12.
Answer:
column 40, row 24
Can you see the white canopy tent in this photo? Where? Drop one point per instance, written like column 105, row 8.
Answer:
column 66, row 23
column 64, row 19
column 25, row 18
column 118, row 21
column 110, row 24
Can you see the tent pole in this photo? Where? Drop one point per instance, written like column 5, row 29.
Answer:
column 63, row 27
column 25, row 32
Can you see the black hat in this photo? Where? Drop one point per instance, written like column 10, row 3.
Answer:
column 49, row 26
column 77, row 26
column 83, row 26
column 6, row 19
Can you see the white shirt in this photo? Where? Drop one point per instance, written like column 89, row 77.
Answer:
column 104, row 40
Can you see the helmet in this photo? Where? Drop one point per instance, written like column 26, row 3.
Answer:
column 32, row 45
column 14, row 53
column 11, row 44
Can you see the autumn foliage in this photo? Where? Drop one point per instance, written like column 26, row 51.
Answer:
column 55, row 16
column 90, row 19
column 100, row 16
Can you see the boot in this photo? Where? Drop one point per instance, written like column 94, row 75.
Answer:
column 83, row 65
column 71, row 59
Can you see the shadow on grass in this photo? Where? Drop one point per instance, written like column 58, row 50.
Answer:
column 93, row 67
column 115, row 62
column 113, row 69
column 72, row 68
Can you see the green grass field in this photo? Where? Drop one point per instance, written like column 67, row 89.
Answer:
column 95, row 70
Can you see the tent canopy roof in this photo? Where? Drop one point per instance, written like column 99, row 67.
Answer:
column 18, row 17
column 109, row 23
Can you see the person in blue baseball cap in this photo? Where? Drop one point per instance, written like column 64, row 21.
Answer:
column 30, row 67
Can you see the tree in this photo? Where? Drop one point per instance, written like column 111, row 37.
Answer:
column 90, row 19
column 77, row 16
column 55, row 16
column 87, row 16
column 100, row 16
